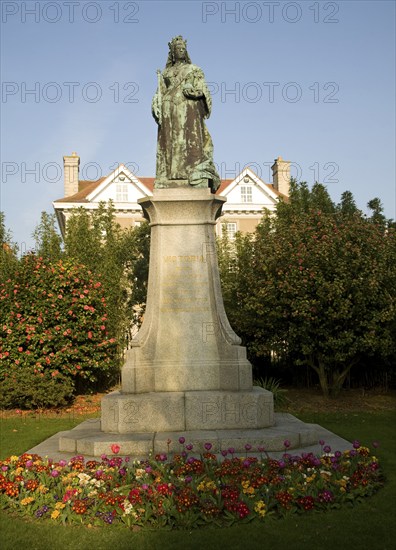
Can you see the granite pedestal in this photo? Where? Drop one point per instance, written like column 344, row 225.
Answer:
column 186, row 372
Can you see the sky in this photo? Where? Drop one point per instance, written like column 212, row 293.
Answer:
column 313, row 82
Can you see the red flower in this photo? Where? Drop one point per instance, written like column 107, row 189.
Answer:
column 115, row 449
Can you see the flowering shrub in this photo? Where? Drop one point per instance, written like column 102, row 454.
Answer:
column 52, row 326
column 185, row 491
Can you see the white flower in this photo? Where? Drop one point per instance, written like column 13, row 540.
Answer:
column 84, row 479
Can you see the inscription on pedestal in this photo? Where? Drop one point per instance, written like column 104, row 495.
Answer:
column 229, row 410
column 185, row 285
column 226, row 412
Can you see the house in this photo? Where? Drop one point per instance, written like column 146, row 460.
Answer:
column 247, row 195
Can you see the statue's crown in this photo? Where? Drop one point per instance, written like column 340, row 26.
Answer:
column 177, row 40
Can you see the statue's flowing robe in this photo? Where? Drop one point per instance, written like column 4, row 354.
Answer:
column 184, row 146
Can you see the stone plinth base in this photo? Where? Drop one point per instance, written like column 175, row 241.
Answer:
column 191, row 410
column 185, row 343
column 89, row 440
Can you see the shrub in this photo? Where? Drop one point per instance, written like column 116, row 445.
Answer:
column 273, row 385
column 54, row 324
column 24, row 390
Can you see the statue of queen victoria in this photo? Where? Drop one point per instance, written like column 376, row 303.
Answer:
column 180, row 106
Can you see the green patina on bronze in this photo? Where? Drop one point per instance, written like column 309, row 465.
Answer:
column 180, row 106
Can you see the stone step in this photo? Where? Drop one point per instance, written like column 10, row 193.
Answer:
column 88, row 439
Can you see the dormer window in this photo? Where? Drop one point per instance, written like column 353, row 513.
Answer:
column 246, row 193
column 121, row 192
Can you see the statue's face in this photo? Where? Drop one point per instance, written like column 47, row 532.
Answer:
column 179, row 52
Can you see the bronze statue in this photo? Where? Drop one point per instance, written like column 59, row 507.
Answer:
column 180, row 106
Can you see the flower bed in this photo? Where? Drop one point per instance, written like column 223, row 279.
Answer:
column 184, row 491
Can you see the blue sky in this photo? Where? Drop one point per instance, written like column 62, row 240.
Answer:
column 311, row 81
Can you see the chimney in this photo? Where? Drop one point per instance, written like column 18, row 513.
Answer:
column 71, row 167
column 281, row 175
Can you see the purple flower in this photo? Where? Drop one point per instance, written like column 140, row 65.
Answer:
column 54, row 473
column 326, row 496
column 127, row 459
column 338, row 454
column 281, row 464
column 62, row 463
column 4, row 468
column 148, row 470
column 188, row 479
column 261, row 449
column 224, row 452
column 184, row 454
column 122, row 471
column 231, row 450
column 29, row 464
column 286, row 443
column 145, row 486
column 321, row 442
column 327, row 449
column 103, row 457
column 248, row 447
column 182, row 440
column 190, row 460
column 246, row 463
column 189, row 447
column 208, row 446
column 162, row 457
column 356, row 444
column 352, row 452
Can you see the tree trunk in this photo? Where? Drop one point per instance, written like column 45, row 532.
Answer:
column 331, row 381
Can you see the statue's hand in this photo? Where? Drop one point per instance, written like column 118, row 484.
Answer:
column 192, row 93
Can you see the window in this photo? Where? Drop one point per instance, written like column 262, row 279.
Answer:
column 121, row 192
column 246, row 193
column 229, row 229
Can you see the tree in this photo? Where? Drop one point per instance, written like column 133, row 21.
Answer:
column 48, row 240
column 8, row 251
column 319, row 285
column 119, row 258
column 54, row 334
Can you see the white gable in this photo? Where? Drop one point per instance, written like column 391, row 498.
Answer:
column 121, row 186
column 248, row 192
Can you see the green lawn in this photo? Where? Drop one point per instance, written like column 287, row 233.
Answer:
column 370, row 524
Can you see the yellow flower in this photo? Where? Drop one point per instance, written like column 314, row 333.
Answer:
column 201, row 486
column 27, row 500
column 43, row 489
column 259, row 508
column 207, row 485
column 18, row 471
column 55, row 514
column 14, row 458
column 60, row 505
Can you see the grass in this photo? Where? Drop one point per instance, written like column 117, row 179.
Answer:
column 20, row 433
column 369, row 524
